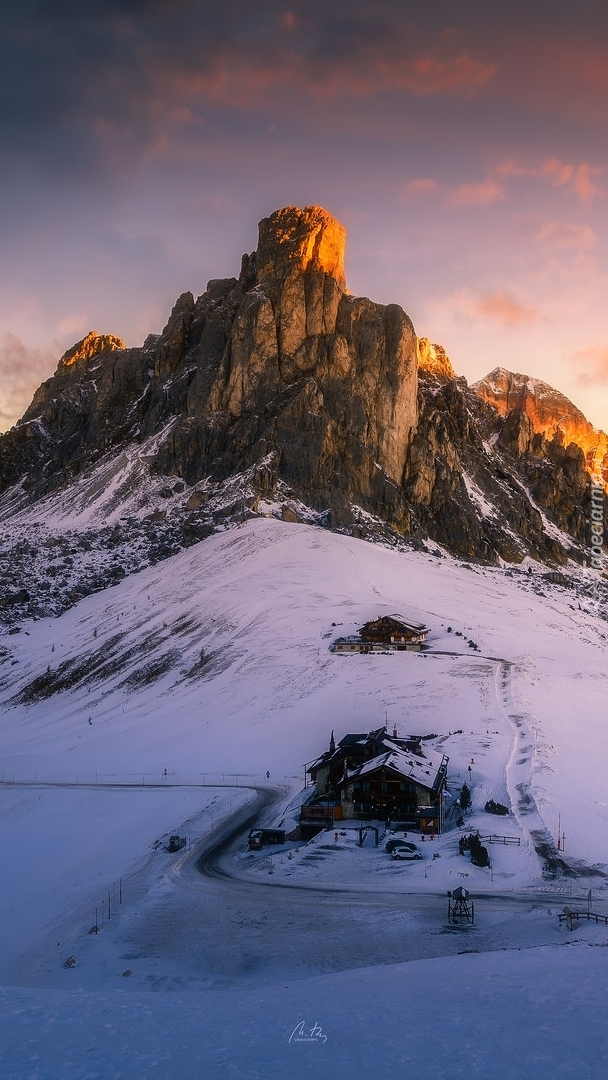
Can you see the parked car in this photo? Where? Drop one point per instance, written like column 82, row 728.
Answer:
column 259, row 837
column 400, row 851
column 396, row 842
column 176, row 843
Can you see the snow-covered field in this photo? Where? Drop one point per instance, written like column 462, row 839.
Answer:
column 215, row 666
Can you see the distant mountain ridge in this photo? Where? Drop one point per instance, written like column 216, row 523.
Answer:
column 539, row 410
column 279, row 392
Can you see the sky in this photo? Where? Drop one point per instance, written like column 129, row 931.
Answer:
column 463, row 145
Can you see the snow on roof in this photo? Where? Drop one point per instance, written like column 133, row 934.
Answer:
column 423, row 769
column 418, row 627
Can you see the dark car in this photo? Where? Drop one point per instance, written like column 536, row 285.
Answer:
column 396, row 842
column 259, row 837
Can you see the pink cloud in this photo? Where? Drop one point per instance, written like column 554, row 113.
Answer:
column 565, row 235
column 432, row 76
column 557, row 172
column 418, row 189
column 594, row 364
column 499, row 306
column 510, row 167
column 22, row 369
column 243, row 80
column 505, row 308
column 582, row 184
column 575, row 178
column 481, row 194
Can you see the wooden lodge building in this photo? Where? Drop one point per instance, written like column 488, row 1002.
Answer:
column 376, row 776
column 385, row 632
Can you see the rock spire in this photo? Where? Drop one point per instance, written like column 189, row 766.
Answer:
column 294, row 239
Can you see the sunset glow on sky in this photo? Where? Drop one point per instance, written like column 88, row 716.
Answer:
column 463, row 146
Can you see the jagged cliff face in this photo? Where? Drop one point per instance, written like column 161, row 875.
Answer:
column 539, row 415
column 285, row 370
column 280, row 368
column 324, row 403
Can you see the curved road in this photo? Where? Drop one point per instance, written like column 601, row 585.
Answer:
column 236, row 928
column 213, row 858
column 204, row 923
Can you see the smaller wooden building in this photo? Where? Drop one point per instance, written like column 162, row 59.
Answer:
column 385, row 632
column 394, row 631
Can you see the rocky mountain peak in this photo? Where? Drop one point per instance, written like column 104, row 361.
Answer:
column 294, row 239
column 278, row 392
column 91, row 345
column 433, row 359
column 535, row 408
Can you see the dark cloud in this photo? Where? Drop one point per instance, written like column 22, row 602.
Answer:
column 84, row 85
column 95, row 92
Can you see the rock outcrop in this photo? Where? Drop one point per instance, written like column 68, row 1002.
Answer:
column 293, row 239
column 433, row 360
column 91, row 345
column 538, row 415
column 284, row 368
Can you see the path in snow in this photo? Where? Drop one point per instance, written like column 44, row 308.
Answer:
column 519, row 778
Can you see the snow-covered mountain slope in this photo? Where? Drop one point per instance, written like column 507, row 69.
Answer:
column 218, row 662
column 221, row 662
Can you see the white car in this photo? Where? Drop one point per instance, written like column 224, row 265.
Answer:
column 403, row 851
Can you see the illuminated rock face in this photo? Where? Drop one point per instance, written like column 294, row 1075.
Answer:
column 433, row 360
column 535, row 408
column 90, row 346
column 294, row 239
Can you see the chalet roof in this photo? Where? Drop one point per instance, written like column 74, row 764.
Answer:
column 407, row 624
column 423, row 769
column 429, row 761
column 348, row 742
column 361, row 739
column 345, row 744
